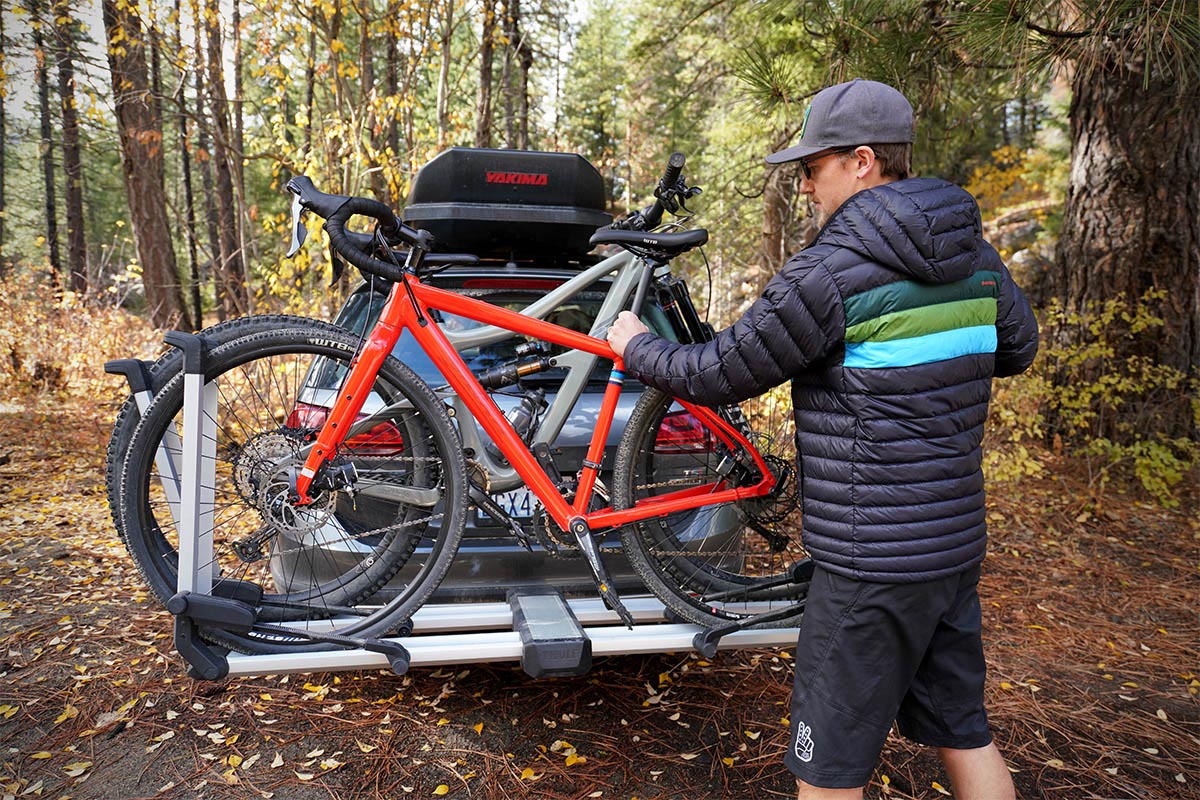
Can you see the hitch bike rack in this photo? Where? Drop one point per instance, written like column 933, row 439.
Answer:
column 547, row 633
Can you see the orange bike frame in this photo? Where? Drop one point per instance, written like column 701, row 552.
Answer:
column 399, row 313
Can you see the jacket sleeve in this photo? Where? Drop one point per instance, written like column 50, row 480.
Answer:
column 1016, row 329
column 798, row 319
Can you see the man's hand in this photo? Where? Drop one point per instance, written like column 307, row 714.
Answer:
column 626, row 326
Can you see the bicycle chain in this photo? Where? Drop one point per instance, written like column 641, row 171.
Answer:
column 374, row 531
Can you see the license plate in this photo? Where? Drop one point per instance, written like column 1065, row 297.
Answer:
column 519, row 504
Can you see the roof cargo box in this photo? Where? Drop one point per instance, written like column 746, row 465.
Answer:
column 508, row 203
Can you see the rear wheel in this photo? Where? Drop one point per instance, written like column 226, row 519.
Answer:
column 159, row 372
column 713, row 564
column 315, row 564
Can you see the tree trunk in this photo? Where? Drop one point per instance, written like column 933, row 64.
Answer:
column 310, row 83
column 3, row 138
column 238, row 97
column 189, row 194
column 142, row 162
column 771, row 251
column 47, row 142
column 391, row 81
column 232, row 278
column 443, row 87
column 204, row 160
column 512, row 12
column 1132, row 217
column 76, row 244
column 525, row 58
column 483, row 106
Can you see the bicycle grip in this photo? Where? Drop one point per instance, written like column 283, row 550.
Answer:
column 674, row 170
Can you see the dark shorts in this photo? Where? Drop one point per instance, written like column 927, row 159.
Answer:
column 871, row 653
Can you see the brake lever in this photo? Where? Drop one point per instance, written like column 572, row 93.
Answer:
column 299, row 232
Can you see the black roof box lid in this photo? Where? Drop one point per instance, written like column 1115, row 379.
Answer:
column 509, row 203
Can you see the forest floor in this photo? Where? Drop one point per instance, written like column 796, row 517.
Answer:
column 1090, row 624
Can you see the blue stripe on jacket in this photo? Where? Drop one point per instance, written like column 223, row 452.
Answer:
column 921, row 349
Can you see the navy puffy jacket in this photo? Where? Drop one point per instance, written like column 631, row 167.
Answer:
column 891, row 326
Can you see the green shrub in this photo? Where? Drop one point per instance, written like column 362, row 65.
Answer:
column 1090, row 396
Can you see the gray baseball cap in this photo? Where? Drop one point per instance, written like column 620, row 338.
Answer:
column 848, row 114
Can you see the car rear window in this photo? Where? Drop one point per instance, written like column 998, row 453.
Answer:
column 579, row 313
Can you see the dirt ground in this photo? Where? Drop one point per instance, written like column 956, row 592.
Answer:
column 1091, row 629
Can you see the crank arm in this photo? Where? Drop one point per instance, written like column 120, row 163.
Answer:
column 591, row 552
column 493, row 510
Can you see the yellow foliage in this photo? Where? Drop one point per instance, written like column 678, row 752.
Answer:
column 60, row 345
column 1096, row 405
column 1015, row 178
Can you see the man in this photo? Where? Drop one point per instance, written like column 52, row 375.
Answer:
column 891, row 326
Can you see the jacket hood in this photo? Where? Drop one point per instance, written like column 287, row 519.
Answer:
column 924, row 227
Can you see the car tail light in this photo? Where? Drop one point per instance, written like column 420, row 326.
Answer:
column 382, row 440
column 681, row 432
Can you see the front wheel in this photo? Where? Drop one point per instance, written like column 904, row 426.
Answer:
column 713, row 564
column 316, row 564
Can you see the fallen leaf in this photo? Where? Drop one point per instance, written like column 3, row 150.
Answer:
column 278, row 762
column 1161, row 715
column 76, row 768
column 304, row 776
column 70, row 712
column 941, row 789
column 727, row 762
column 441, row 789
column 1055, row 762
column 689, row 756
column 366, row 748
column 751, row 735
column 41, row 754
column 478, row 727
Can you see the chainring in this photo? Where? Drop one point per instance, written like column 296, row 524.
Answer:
column 553, row 539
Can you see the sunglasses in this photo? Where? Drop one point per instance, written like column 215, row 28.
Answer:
column 806, row 164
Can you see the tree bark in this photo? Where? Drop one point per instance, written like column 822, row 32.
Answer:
column 232, row 284
column 204, row 159
column 3, row 138
column 512, row 13
column 443, row 87
column 76, row 243
column 189, row 194
column 310, row 82
column 525, row 56
column 142, row 162
column 238, row 97
column 47, row 142
column 391, row 81
column 483, row 105
column 1132, row 216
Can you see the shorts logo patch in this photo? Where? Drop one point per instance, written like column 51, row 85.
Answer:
column 804, row 742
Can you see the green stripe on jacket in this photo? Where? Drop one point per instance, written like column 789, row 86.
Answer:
column 903, row 295
column 927, row 319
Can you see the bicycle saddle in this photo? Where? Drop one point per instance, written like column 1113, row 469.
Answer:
column 668, row 243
